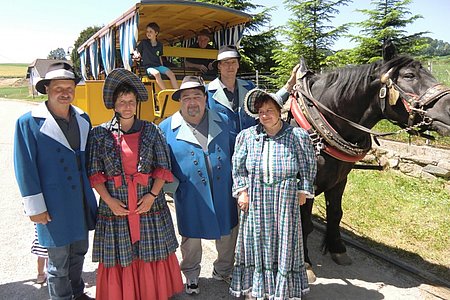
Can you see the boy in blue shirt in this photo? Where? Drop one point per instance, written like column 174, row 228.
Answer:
column 150, row 52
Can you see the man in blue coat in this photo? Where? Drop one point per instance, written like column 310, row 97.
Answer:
column 226, row 93
column 50, row 167
column 199, row 140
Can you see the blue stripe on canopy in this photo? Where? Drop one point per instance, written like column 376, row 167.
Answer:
column 83, row 64
column 93, row 55
column 128, row 31
column 107, row 45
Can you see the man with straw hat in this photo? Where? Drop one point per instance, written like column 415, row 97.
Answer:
column 50, row 159
column 227, row 92
column 203, row 201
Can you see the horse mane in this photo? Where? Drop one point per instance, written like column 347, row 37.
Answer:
column 351, row 80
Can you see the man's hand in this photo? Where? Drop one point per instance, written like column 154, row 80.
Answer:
column 202, row 68
column 293, row 79
column 42, row 218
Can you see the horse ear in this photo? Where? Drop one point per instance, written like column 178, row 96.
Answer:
column 389, row 50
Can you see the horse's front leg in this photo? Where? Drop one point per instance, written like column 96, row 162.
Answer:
column 307, row 225
column 333, row 241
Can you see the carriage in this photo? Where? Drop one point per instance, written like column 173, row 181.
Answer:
column 180, row 21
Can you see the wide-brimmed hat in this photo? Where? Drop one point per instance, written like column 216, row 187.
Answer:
column 226, row 52
column 117, row 77
column 253, row 95
column 189, row 82
column 56, row 71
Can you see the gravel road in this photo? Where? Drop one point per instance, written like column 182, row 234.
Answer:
column 367, row 278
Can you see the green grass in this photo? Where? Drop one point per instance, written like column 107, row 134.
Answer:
column 19, row 93
column 13, row 70
column 441, row 69
column 400, row 212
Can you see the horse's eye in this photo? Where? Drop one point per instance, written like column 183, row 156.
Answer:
column 409, row 75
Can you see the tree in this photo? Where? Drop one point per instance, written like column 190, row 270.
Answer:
column 386, row 22
column 435, row 48
column 83, row 37
column 58, row 53
column 257, row 43
column 308, row 34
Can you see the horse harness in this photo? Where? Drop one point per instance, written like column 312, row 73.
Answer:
column 414, row 104
column 305, row 110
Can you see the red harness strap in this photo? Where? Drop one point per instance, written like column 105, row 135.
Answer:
column 303, row 123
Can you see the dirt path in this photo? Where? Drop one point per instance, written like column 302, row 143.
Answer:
column 367, row 278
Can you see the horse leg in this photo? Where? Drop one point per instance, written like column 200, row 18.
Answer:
column 307, row 225
column 333, row 241
column 307, row 228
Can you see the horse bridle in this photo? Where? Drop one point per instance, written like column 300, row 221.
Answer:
column 414, row 104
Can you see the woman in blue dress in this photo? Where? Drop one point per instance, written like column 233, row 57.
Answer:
column 274, row 168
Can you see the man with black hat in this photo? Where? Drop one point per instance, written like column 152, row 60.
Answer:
column 200, row 151
column 50, row 167
column 227, row 92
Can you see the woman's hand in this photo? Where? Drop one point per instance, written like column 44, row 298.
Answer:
column 301, row 198
column 118, row 207
column 145, row 204
column 243, row 201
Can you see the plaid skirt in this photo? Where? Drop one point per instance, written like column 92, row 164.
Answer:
column 112, row 241
column 269, row 260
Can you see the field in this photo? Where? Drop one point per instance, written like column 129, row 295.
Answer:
column 13, row 70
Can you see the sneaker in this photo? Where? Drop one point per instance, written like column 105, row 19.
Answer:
column 192, row 287
column 217, row 276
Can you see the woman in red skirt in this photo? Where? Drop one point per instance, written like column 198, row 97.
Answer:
column 129, row 163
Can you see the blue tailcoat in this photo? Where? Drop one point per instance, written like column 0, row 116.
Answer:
column 218, row 102
column 47, row 173
column 203, row 211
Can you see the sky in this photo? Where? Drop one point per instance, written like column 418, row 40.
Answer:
column 30, row 29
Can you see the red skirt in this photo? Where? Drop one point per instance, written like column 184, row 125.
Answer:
column 140, row 281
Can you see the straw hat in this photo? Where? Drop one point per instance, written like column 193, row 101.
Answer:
column 189, row 82
column 226, row 52
column 56, row 71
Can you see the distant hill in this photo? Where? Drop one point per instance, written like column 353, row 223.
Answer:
column 13, row 70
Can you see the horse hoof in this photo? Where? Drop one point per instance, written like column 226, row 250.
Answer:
column 341, row 258
column 310, row 273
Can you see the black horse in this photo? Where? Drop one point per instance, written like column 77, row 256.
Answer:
column 396, row 88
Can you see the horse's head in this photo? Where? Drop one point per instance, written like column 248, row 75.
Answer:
column 413, row 97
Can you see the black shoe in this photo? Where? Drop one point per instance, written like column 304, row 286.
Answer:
column 192, row 287
column 83, row 297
